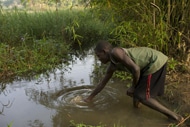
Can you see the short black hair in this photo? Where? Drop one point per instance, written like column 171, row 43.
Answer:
column 102, row 44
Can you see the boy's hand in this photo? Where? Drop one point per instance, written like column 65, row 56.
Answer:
column 136, row 102
column 87, row 100
column 130, row 91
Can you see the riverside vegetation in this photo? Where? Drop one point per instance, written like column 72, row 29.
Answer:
column 27, row 39
column 38, row 41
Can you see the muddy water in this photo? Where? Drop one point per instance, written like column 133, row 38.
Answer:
column 47, row 101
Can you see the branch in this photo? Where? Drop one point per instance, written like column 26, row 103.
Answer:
column 154, row 5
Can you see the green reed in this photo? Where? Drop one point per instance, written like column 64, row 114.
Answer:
column 18, row 25
column 31, row 59
column 36, row 41
column 73, row 124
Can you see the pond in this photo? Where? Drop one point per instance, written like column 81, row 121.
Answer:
column 46, row 101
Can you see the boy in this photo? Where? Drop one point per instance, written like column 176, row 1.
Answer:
column 148, row 69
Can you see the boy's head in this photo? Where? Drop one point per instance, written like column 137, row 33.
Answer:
column 103, row 46
column 102, row 51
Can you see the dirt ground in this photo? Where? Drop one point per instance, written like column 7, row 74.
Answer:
column 178, row 94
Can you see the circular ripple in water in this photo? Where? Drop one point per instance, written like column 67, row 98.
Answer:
column 73, row 98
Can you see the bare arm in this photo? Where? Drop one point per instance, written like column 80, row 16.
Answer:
column 121, row 57
column 102, row 84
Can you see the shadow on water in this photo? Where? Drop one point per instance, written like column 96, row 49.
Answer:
column 47, row 101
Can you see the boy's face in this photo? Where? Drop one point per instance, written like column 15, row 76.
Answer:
column 102, row 56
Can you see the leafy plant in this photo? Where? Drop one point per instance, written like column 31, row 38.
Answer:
column 10, row 124
column 71, row 32
column 172, row 63
column 31, row 59
column 83, row 125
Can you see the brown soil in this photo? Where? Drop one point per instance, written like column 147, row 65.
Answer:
column 178, row 94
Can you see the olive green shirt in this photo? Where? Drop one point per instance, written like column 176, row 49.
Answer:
column 149, row 60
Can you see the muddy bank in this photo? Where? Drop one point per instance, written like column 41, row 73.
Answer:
column 178, row 94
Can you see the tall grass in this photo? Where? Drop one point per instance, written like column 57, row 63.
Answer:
column 35, row 41
column 28, row 60
column 18, row 25
column 163, row 25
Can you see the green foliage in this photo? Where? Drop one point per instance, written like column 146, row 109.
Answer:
column 124, row 34
column 123, row 75
column 93, row 29
column 30, row 59
column 71, row 30
column 74, row 26
column 133, row 24
column 172, row 125
column 84, row 125
column 172, row 63
column 132, row 34
column 84, row 28
column 73, row 124
column 160, row 25
column 10, row 124
column 27, row 38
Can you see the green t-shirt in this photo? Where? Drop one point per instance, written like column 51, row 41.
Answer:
column 149, row 60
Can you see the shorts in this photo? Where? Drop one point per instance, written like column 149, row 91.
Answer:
column 151, row 85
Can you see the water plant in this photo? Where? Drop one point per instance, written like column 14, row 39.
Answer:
column 10, row 124
column 73, row 124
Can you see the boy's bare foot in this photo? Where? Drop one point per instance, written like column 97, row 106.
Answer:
column 136, row 103
column 178, row 120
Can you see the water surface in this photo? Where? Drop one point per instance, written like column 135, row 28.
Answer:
column 45, row 101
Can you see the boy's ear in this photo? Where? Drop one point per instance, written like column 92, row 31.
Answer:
column 104, row 50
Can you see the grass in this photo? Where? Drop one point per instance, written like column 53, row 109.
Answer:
column 18, row 25
column 31, row 59
column 73, row 124
column 32, row 42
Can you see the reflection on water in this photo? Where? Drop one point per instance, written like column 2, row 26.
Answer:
column 47, row 101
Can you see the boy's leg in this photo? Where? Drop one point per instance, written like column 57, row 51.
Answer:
column 151, row 86
column 154, row 104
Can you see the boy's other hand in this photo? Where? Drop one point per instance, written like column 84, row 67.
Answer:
column 87, row 100
column 130, row 91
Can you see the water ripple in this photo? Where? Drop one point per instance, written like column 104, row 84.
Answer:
column 72, row 98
